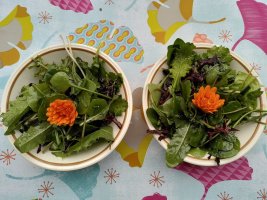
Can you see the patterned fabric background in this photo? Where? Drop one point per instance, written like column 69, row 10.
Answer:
column 136, row 34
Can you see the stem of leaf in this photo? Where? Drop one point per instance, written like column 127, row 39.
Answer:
column 234, row 111
column 163, row 80
column 84, row 123
column 246, row 114
column 211, row 139
column 206, row 124
column 97, row 93
column 42, row 65
column 47, row 147
column 38, row 90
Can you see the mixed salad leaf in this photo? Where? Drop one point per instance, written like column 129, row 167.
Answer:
column 95, row 94
column 192, row 130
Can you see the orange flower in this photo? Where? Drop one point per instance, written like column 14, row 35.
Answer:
column 207, row 100
column 61, row 112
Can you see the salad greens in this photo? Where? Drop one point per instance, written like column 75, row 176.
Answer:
column 94, row 92
column 174, row 115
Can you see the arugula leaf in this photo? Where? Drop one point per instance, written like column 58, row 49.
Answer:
column 105, row 133
column 244, row 80
column 181, row 106
column 35, row 93
column 226, row 78
column 180, row 67
column 32, row 138
column 155, row 92
column 118, row 106
column 186, row 90
column 178, row 146
column 16, row 110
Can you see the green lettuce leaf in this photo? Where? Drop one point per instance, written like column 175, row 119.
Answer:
column 180, row 57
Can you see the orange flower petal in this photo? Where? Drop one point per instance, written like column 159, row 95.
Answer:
column 61, row 112
column 207, row 100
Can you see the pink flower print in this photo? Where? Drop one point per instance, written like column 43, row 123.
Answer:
column 201, row 38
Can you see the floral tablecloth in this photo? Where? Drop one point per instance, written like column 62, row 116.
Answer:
column 136, row 34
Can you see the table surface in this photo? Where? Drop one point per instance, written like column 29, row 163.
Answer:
column 142, row 31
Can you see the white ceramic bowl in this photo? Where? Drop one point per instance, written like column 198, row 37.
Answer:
column 248, row 134
column 23, row 76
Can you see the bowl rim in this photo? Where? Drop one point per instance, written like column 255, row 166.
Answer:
column 107, row 149
column 201, row 161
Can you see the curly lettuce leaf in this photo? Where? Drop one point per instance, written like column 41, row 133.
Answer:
column 221, row 52
column 118, row 106
column 180, row 57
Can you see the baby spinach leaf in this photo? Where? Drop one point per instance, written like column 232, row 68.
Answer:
column 178, row 146
column 49, row 74
column 60, row 82
column 118, row 106
column 84, row 97
column 97, row 110
column 224, row 146
column 153, row 117
column 105, row 133
column 216, row 118
column 168, row 108
column 32, row 138
column 250, row 99
column 231, row 107
column 197, row 152
column 197, row 136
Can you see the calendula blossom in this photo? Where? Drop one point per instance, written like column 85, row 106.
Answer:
column 207, row 100
column 61, row 112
